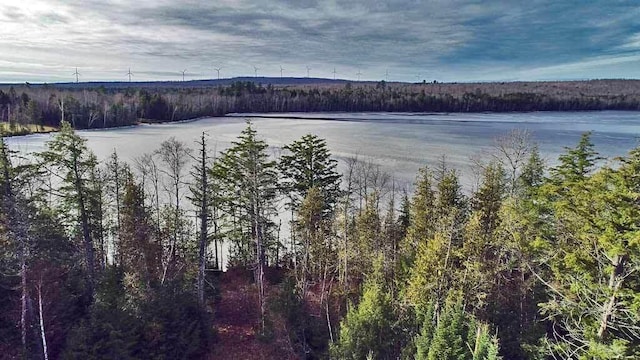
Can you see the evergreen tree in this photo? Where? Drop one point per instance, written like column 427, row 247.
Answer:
column 366, row 330
column 315, row 254
column 250, row 183
column 68, row 155
column 139, row 246
column 422, row 216
column 116, row 176
column 532, row 173
column 309, row 165
column 591, row 254
column 455, row 335
column 576, row 163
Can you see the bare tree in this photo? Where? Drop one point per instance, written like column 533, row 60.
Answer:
column 512, row 151
column 175, row 156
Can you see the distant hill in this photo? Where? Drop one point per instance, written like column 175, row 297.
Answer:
column 276, row 81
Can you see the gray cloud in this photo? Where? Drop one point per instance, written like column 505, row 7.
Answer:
column 454, row 40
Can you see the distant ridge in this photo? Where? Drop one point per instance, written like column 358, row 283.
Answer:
column 615, row 85
column 191, row 83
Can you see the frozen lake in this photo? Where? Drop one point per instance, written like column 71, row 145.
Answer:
column 400, row 143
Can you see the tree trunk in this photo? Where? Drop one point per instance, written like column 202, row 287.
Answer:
column 203, row 223
column 23, row 303
column 84, row 223
column 20, row 233
column 614, row 286
column 116, row 170
column 41, row 315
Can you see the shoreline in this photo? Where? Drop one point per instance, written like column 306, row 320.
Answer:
column 294, row 116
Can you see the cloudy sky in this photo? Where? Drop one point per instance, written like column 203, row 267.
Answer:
column 446, row 40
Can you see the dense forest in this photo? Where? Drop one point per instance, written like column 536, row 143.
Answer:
column 99, row 107
column 114, row 260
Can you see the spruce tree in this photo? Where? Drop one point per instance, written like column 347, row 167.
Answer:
column 250, row 182
column 67, row 156
column 309, row 165
column 422, row 216
column 366, row 330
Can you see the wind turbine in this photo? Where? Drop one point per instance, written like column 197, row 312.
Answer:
column 308, row 69
column 255, row 70
column 130, row 74
column 334, row 73
column 281, row 69
column 77, row 74
column 359, row 73
column 183, row 71
column 218, row 71
column 386, row 75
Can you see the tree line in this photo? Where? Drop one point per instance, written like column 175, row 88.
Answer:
column 99, row 107
column 107, row 259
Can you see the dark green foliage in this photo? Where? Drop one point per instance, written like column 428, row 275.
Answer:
column 310, row 165
column 454, row 335
column 248, row 181
column 424, row 339
column 487, row 200
column 450, row 334
column 308, row 333
column 367, row 329
column 169, row 325
column 175, row 325
column 68, row 157
column 577, row 162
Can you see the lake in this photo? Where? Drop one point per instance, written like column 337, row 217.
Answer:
column 400, row 143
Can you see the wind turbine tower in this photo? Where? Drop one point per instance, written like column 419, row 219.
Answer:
column 255, row 71
column 77, row 74
column 281, row 70
column 130, row 74
column 359, row 73
column 308, row 69
column 183, row 72
column 218, row 71
column 386, row 76
column 334, row 73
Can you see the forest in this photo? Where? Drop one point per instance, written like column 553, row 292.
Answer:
column 47, row 105
column 114, row 260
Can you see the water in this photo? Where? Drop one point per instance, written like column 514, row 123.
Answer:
column 400, row 143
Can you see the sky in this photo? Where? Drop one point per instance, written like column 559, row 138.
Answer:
column 394, row 40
